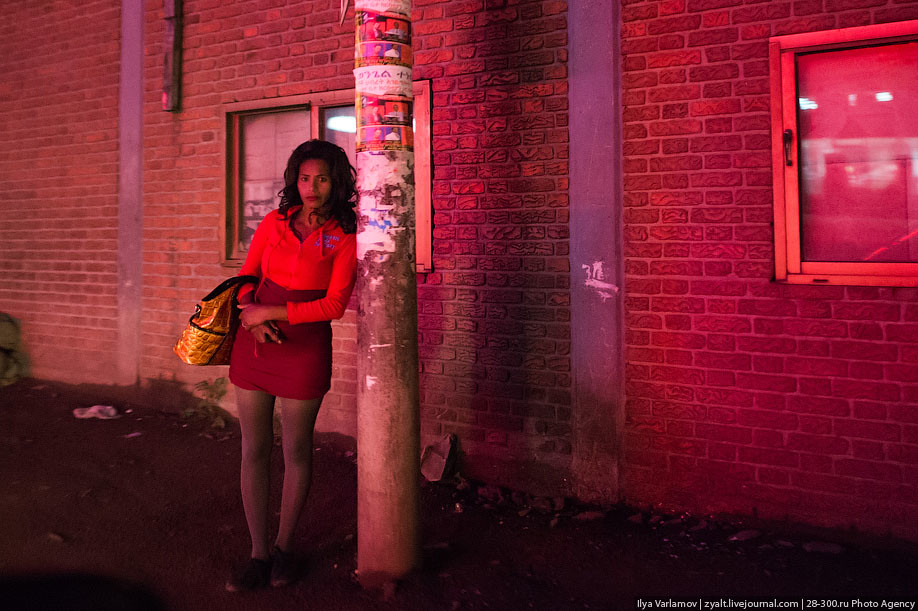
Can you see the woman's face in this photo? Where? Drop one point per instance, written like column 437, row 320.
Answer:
column 314, row 183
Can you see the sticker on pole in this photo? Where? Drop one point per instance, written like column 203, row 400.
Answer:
column 383, row 110
column 385, row 138
column 384, row 123
column 379, row 53
column 384, row 80
column 376, row 27
column 402, row 7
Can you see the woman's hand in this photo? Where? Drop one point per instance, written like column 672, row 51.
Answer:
column 266, row 332
column 254, row 314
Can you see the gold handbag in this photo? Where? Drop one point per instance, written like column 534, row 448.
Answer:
column 208, row 338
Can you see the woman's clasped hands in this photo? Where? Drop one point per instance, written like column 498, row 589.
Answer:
column 256, row 320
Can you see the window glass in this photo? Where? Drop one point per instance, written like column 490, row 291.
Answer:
column 338, row 124
column 260, row 135
column 858, row 148
column 267, row 141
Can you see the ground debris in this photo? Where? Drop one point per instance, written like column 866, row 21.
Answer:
column 492, row 494
column 702, row 524
column 438, row 460
column 102, row 412
column 745, row 535
column 589, row 515
column 821, row 547
column 461, row 483
column 519, row 498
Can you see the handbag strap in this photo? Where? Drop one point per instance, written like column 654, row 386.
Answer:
column 229, row 283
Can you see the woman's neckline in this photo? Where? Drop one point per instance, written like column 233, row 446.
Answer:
column 304, row 231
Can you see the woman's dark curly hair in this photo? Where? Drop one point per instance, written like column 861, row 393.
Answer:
column 343, row 196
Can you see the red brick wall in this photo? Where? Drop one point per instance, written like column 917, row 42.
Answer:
column 745, row 395
column 494, row 319
column 58, row 184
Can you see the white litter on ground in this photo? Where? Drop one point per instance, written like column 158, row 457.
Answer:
column 103, row 412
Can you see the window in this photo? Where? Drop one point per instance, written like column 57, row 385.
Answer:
column 260, row 136
column 845, row 155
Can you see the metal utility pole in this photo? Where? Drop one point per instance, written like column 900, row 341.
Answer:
column 388, row 420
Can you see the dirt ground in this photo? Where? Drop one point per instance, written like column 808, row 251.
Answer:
column 143, row 512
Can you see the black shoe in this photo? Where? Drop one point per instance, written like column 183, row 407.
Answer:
column 253, row 575
column 284, row 569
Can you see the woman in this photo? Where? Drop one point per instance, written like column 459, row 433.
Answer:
column 305, row 254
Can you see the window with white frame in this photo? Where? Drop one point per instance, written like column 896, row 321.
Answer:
column 845, row 155
column 260, row 136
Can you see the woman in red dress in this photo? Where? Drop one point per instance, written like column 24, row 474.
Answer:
column 305, row 256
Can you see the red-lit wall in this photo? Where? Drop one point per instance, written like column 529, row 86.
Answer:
column 59, row 183
column 493, row 318
column 494, row 315
column 742, row 394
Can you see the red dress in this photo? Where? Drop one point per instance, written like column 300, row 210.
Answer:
column 314, row 277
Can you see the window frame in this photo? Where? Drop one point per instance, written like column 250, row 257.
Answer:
column 315, row 103
column 789, row 267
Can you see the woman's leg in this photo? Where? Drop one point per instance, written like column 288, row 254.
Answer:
column 256, row 419
column 298, row 419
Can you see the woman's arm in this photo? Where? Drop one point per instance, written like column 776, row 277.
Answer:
column 330, row 307
column 255, row 314
column 338, row 293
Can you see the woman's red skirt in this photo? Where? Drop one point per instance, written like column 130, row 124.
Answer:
column 298, row 368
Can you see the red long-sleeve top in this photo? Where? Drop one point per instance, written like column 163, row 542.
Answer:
column 325, row 260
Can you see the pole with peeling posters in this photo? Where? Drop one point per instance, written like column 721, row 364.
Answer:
column 388, row 420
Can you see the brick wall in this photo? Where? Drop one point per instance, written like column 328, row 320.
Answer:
column 494, row 319
column 745, row 395
column 58, row 183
